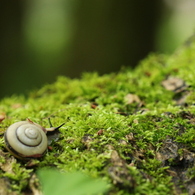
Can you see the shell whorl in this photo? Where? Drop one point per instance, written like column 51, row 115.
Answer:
column 26, row 139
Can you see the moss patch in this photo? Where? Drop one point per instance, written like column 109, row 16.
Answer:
column 134, row 128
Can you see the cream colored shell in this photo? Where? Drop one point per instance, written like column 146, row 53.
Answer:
column 26, row 139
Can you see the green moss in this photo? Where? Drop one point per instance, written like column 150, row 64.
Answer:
column 152, row 136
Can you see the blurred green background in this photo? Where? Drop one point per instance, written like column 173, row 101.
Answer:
column 41, row 39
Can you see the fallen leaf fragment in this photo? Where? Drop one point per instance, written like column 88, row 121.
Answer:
column 4, row 186
column 174, row 84
column 16, row 105
column 7, row 164
column 2, row 117
column 132, row 98
column 34, row 185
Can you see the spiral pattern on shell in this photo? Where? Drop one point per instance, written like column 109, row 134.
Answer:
column 26, row 139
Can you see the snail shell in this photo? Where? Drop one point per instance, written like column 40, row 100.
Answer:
column 26, row 139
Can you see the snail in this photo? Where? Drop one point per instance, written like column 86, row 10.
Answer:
column 26, row 139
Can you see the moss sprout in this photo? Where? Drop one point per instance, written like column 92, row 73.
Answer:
column 135, row 128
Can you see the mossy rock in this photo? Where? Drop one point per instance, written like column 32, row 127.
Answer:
column 135, row 128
